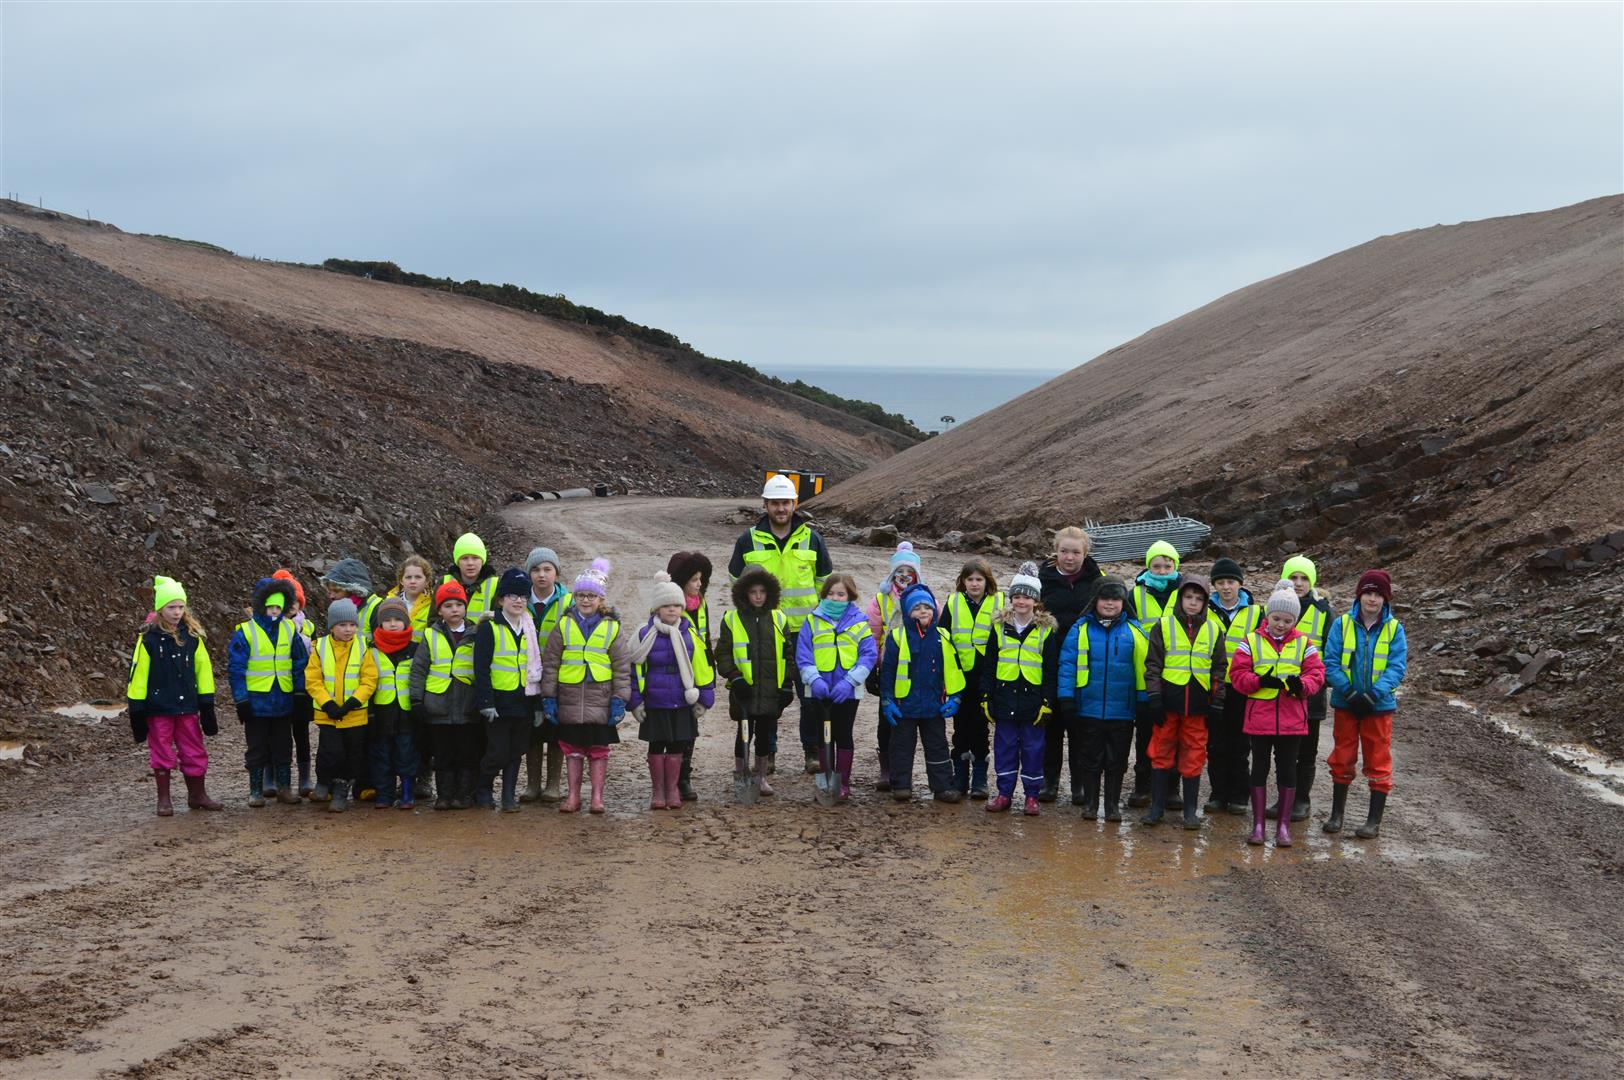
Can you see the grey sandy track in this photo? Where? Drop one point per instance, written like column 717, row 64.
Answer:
column 1479, row 937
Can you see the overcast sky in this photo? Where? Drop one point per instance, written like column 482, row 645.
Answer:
column 986, row 186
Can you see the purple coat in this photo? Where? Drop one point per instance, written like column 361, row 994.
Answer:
column 818, row 683
column 663, row 687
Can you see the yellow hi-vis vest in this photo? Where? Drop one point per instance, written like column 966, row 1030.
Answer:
column 1246, row 620
column 794, row 564
column 1020, row 658
column 1314, row 622
column 1185, row 657
column 269, row 663
column 1384, row 645
column 970, row 632
column 446, row 664
column 699, row 620
column 1141, row 649
column 827, row 645
column 549, row 619
column 141, row 669
column 365, row 621
column 952, row 677
column 394, row 682
column 694, row 655
column 583, row 655
column 1284, row 662
column 741, row 645
column 340, row 684
column 1146, row 608
column 508, row 657
column 481, row 602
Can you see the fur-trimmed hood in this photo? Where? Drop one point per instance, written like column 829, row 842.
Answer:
column 1040, row 618
column 755, row 575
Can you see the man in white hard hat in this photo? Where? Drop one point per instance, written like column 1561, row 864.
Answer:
column 784, row 543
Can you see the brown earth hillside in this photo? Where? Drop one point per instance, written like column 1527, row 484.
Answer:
column 215, row 440
column 1451, row 393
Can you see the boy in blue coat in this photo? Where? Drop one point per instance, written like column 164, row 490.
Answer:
column 1365, row 657
column 1100, row 684
column 920, row 684
column 266, row 660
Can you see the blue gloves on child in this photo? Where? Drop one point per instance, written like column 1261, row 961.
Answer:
column 839, row 690
column 549, row 709
column 617, row 711
column 950, row 707
column 891, row 712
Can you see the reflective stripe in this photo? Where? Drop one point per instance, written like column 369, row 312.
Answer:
column 700, row 619
column 508, row 658
column 741, row 645
column 267, row 662
column 1283, row 664
column 438, row 679
column 1020, row 658
column 970, row 632
column 482, row 601
column 584, row 655
column 1314, row 623
column 1141, row 648
column 1146, row 608
column 827, row 645
column 794, row 564
column 394, row 683
column 341, row 686
column 952, row 677
column 1384, row 645
column 1185, row 657
column 1245, row 621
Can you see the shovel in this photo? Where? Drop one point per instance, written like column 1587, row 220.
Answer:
column 746, row 784
column 828, row 783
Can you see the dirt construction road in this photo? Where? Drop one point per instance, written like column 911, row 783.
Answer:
column 1478, row 937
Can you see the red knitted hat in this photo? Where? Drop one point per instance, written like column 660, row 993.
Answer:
column 449, row 591
column 1376, row 581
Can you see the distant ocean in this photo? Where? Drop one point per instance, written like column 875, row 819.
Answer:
column 922, row 396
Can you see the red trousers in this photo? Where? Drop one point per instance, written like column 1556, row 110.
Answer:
column 1373, row 735
column 1180, row 740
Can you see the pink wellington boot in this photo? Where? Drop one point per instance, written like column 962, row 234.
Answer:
column 673, row 773
column 599, row 768
column 574, row 765
column 165, row 807
column 656, row 779
column 1260, row 798
column 1282, row 827
column 1031, row 808
column 998, row 804
column 843, row 767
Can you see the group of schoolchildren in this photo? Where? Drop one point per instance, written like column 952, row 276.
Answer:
column 438, row 693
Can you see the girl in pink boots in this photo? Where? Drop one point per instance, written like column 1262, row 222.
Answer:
column 171, row 696
column 1279, row 669
column 586, row 683
column 667, row 698
column 835, row 653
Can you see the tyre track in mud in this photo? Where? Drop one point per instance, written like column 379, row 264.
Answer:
column 789, row 940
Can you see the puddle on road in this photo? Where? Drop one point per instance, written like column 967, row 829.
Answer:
column 11, row 751
column 1600, row 775
column 89, row 712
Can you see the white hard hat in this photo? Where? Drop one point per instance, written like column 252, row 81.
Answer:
column 780, row 486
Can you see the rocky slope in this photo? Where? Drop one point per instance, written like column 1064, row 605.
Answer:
column 215, row 441
column 1443, row 402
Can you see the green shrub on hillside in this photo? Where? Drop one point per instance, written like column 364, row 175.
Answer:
column 559, row 306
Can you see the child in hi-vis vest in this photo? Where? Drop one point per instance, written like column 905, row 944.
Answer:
column 920, row 688
column 1184, row 678
column 1016, row 676
column 171, row 696
column 1366, row 656
column 341, row 678
column 586, row 682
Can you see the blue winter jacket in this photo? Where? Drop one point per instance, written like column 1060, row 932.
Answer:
column 1344, row 682
column 1113, row 690
column 275, row 701
column 928, row 691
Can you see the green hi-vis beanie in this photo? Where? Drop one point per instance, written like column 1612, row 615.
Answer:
column 1162, row 547
column 469, row 544
column 1301, row 564
column 166, row 591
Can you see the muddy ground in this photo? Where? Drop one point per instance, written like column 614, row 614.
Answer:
column 1478, row 937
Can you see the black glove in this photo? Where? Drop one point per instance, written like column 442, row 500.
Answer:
column 1294, row 686
column 1149, row 713
column 333, row 709
column 245, row 711
column 1271, row 682
column 1215, row 713
column 138, row 720
column 785, row 697
column 206, row 718
column 1361, row 703
column 1068, row 709
column 352, row 703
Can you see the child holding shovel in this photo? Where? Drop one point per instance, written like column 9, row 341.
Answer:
column 753, row 657
column 835, row 653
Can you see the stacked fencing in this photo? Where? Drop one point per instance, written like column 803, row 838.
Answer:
column 1127, row 542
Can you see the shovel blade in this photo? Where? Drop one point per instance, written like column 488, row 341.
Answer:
column 746, row 788
column 827, row 787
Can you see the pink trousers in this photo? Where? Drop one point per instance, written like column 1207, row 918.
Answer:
column 168, row 734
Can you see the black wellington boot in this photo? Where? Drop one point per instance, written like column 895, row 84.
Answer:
column 1339, row 805
column 1158, row 798
column 1372, row 827
column 1192, row 795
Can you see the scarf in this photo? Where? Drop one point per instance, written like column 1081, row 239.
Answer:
column 691, row 602
column 1159, row 582
column 390, row 642
column 646, row 638
column 832, row 610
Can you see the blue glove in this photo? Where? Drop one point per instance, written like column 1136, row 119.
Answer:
column 549, row 709
column 617, row 710
column 950, row 706
column 809, row 675
column 891, row 712
column 839, row 691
